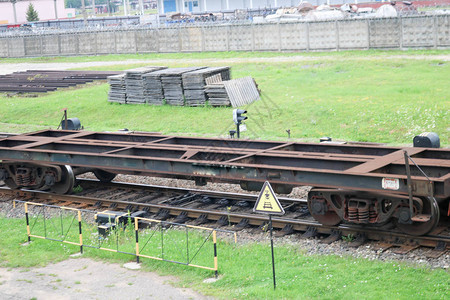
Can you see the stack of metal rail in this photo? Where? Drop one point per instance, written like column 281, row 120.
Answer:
column 194, row 83
column 117, row 92
column 172, row 84
column 135, row 84
column 42, row 81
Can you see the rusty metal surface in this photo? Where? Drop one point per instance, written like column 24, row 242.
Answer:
column 357, row 167
column 386, row 236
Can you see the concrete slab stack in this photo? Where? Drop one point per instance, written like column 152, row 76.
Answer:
column 194, row 84
column 135, row 83
column 153, row 90
column 117, row 89
column 217, row 94
column 172, row 84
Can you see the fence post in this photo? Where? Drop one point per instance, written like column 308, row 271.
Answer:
column 216, row 272
column 279, row 36
column 401, row 33
column 435, row 30
column 203, row 37
column 77, row 48
column 28, row 222
column 180, row 42
column 59, row 44
column 80, row 232
column 368, row 34
column 228, row 38
column 136, row 232
column 41, row 44
column 136, row 41
column 158, row 46
column 307, row 37
column 252, row 26
column 337, row 35
column 8, row 41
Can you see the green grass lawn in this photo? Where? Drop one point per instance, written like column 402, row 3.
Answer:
column 245, row 270
column 355, row 95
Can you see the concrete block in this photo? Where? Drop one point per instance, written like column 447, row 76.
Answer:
column 147, row 40
column 385, row 33
column 125, row 41
column 322, row 35
column 50, row 45
column 353, row 34
column 32, row 45
column 294, row 36
column 240, row 38
column 68, row 43
column 267, row 37
column 16, row 47
column 191, row 39
column 418, row 31
column 106, row 42
column 169, row 40
column 4, row 47
column 87, row 43
column 216, row 38
column 443, row 31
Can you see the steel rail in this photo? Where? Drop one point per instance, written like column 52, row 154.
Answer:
column 396, row 238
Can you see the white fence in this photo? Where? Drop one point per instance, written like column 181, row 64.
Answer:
column 414, row 32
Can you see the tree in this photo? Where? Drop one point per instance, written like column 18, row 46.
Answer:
column 73, row 3
column 32, row 14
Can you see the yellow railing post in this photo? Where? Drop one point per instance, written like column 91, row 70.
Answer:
column 136, row 232
column 28, row 222
column 80, row 231
column 215, row 254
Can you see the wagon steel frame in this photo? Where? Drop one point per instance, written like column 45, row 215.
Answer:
column 361, row 167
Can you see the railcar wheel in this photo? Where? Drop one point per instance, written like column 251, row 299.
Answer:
column 104, row 176
column 321, row 212
column 67, row 182
column 430, row 207
column 11, row 183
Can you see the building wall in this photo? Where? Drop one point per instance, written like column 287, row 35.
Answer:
column 45, row 9
column 218, row 5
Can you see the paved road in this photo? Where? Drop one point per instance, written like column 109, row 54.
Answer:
column 84, row 278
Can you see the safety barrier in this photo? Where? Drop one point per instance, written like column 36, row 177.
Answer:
column 124, row 233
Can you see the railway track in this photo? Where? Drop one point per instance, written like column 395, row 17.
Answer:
column 216, row 209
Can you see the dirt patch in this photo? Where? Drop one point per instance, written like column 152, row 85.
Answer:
column 84, row 278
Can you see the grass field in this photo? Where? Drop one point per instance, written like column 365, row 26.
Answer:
column 245, row 270
column 377, row 96
column 350, row 95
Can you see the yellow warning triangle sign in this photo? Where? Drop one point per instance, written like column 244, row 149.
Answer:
column 268, row 202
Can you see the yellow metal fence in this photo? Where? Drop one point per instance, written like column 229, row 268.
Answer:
column 141, row 237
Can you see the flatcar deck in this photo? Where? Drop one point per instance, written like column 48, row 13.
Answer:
column 357, row 167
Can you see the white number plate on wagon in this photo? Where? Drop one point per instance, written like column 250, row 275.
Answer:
column 390, row 183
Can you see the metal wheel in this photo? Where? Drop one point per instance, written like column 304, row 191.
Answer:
column 11, row 184
column 104, row 176
column 316, row 206
column 67, row 182
column 430, row 207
